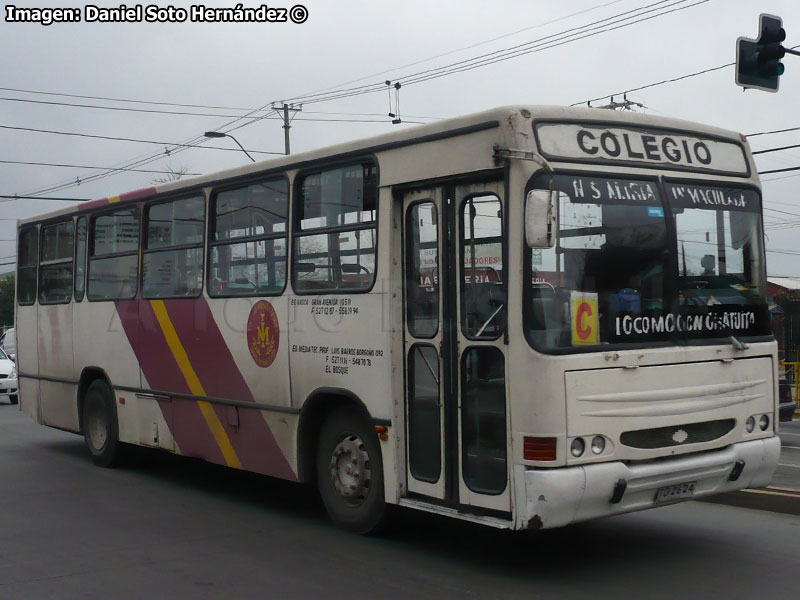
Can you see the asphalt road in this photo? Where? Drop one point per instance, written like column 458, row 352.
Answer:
column 181, row 529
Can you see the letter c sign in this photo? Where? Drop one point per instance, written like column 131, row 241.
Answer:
column 584, row 320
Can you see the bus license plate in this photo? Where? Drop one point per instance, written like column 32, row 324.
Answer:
column 673, row 492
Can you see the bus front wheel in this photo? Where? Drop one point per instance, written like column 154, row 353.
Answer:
column 100, row 425
column 350, row 472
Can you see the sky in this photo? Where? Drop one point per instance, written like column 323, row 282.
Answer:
column 226, row 70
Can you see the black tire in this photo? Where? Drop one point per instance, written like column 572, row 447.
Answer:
column 13, row 398
column 350, row 472
column 100, row 428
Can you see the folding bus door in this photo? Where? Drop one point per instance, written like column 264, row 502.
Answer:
column 455, row 319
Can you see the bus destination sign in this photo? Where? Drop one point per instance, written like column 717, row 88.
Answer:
column 636, row 145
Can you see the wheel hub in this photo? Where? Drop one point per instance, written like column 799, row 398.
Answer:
column 95, row 426
column 350, row 469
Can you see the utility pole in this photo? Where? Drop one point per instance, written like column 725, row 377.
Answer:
column 286, row 108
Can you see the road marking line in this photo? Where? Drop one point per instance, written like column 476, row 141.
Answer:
column 771, row 493
column 785, row 465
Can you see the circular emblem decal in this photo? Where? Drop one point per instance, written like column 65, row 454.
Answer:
column 263, row 335
column 680, row 436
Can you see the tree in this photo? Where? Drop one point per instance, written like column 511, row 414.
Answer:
column 173, row 174
column 7, row 300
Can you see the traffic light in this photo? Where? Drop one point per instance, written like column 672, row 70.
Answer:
column 758, row 62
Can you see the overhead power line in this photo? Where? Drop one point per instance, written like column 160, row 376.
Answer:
column 783, row 177
column 776, row 149
column 618, row 21
column 120, row 108
column 108, row 99
column 771, row 132
column 124, row 139
column 18, row 197
column 657, row 83
column 182, row 113
column 779, row 170
column 673, row 80
column 783, row 212
column 158, row 103
column 574, row 34
column 44, row 164
column 456, row 50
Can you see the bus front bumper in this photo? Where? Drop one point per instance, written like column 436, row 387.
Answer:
column 556, row 497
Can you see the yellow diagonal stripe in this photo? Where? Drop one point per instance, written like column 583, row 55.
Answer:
column 179, row 352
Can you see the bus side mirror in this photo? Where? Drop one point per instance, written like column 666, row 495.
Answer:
column 540, row 218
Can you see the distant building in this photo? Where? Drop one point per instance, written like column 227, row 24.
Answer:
column 783, row 295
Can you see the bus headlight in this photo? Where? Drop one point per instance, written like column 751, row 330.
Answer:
column 577, row 447
column 763, row 422
column 750, row 425
column 598, row 444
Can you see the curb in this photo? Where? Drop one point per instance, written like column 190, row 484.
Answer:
column 773, row 499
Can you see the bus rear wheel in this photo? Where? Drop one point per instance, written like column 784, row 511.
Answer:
column 100, row 430
column 350, row 472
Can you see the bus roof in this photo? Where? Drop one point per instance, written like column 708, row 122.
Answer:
column 492, row 118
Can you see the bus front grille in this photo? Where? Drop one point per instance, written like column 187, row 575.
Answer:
column 677, row 435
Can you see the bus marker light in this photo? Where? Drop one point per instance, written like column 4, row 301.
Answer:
column 121, row 400
column 750, row 425
column 763, row 422
column 383, row 432
column 539, row 448
column 577, row 447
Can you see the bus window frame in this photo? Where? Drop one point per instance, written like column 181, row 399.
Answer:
column 90, row 239
column 60, row 261
column 144, row 224
column 296, row 232
column 211, row 223
column 408, row 243
column 462, row 269
column 75, row 297
column 660, row 180
column 35, row 227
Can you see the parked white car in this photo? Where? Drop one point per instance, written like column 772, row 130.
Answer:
column 8, row 377
column 8, row 343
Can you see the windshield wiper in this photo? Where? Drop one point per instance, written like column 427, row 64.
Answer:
column 737, row 343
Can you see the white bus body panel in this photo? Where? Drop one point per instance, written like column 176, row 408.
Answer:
column 555, row 497
column 55, row 359
column 27, row 325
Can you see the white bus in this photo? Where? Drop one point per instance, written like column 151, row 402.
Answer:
column 526, row 317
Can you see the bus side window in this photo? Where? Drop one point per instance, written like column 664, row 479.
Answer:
column 483, row 433
column 335, row 230
column 483, row 299
column 422, row 286
column 172, row 259
column 247, row 244
column 28, row 259
column 55, row 266
column 114, row 256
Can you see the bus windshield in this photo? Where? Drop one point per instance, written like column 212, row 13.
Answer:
column 637, row 262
